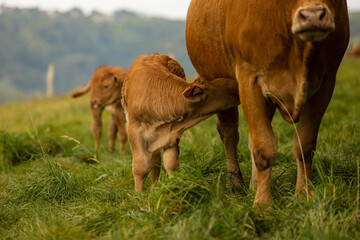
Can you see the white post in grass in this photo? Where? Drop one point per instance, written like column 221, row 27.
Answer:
column 50, row 81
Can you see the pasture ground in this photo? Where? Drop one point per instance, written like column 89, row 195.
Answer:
column 52, row 188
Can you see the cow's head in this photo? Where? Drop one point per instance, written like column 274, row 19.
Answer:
column 313, row 20
column 106, row 86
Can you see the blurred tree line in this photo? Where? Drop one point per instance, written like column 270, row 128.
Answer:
column 31, row 39
column 354, row 27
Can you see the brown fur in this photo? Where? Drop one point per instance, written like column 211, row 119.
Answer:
column 105, row 92
column 280, row 61
column 160, row 106
column 355, row 52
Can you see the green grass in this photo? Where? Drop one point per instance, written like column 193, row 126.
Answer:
column 50, row 190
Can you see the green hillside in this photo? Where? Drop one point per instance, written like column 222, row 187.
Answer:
column 77, row 44
column 54, row 186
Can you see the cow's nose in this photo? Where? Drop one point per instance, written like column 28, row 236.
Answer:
column 315, row 17
column 313, row 23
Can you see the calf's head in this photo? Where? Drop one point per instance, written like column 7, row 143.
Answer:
column 104, row 86
column 212, row 96
column 313, row 20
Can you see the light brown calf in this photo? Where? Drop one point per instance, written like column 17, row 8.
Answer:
column 105, row 92
column 160, row 106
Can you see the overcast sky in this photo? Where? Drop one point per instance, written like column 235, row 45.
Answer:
column 175, row 9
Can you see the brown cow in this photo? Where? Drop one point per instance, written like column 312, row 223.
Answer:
column 105, row 92
column 355, row 52
column 161, row 105
column 284, row 55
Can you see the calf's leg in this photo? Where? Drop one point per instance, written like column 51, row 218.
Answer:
column 140, row 168
column 120, row 122
column 141, row 158
column 112, row 132
column 96, row 125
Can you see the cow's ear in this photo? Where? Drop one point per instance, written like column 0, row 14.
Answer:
column 194, row 93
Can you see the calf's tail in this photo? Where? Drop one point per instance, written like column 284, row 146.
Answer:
column 81, row 92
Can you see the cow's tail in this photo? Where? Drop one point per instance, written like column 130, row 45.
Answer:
column 81, row 92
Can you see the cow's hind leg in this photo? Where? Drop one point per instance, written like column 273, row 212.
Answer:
column 227, row 126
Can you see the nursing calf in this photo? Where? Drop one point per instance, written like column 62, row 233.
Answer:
column 161, row 105
column 105, row 92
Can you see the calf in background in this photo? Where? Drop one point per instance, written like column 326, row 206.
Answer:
column 105, row 92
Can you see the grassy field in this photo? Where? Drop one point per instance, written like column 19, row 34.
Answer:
column 51, row 189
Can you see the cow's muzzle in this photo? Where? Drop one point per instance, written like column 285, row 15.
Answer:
column 313, row 23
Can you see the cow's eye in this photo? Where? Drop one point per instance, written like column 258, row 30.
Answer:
column 106, row 86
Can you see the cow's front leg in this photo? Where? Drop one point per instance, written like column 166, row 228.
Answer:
column 305, row 138
column 96, row 125
column 254, row 173
column 304, row 146
column 227, row 126
column 254, row 176
column 258, row 114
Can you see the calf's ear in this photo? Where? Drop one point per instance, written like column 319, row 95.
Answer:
column 194, row 93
